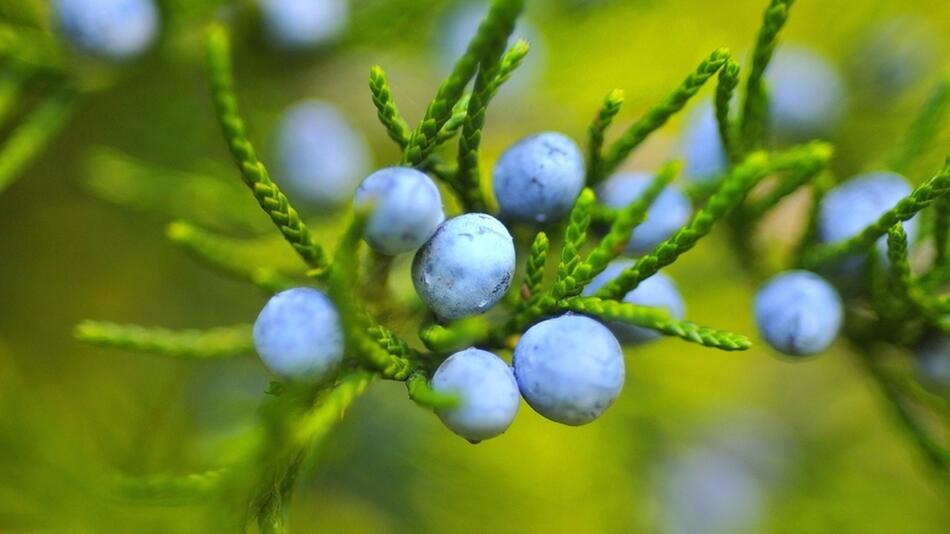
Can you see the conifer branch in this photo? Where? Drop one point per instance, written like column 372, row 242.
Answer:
column 655, row 319
column 34, row 133
column 271, row 199
column 755, row 105
column 657, row 117
column 906, row 208
column 386, row 109
column 732, row 191
column 575, row 234
column 595, row 135
column 496, row 27
column 456, row 336
column 214, row 343
column 725, row 90
column 422, row 394
column 534, row 268
column 234, row 257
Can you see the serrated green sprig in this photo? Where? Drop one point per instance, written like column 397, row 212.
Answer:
column 271, row 199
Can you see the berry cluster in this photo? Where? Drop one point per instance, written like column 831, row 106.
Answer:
column 323, row 332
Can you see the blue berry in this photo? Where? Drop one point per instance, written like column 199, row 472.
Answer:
column 701, row 145
column 112, row 29
column 406, row 209
column 850, row 207
column 669, row 211
column 933, row 362
column 299, row 335
column 487, row 392
column 303, row 24
column 703, row 490
column 569, row 369
column 321, row 156
column 538, row 178
column 798, row 313
column 658, row 291
column 895, row 56
column 806, row 94
column 466, row 267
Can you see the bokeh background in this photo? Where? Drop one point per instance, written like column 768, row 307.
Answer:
column 699, row 441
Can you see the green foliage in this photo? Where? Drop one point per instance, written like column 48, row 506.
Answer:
column 386, row 110
column 222, row 342
column 492, row 33
column 920, row 198
column 725, row 90
column 26, row 141
column 595, row 135
column 534, row 268
column 271, row 199
column 923, row 129
column 654, row 319
column 235, row 257
column 657, row 117
column 492, row 72
column 755, row 105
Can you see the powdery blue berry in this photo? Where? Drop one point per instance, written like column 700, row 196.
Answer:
column 669, row 211
column 933, row 362
column 406, row 209
column 466, row 267
column 321, row 156
column 303, row 24
column 850, row 207
column 701, row 145
column 569, row 369
column 487, row 392
column 538, row 178
column 113, row 29
column 806, row 94
column 798, row 313
column 658, row 291
column 299, row 335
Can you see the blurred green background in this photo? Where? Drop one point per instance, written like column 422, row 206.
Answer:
column 700, row 440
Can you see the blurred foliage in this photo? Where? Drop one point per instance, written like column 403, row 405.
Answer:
column 75, row 420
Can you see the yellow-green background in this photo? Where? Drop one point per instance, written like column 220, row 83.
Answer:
column 71, row 415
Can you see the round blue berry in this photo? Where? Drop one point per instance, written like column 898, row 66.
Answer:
column 321, row 156
column 894, row 56
column 933, row 362
column 806, row 94
column 303, row 24
column 798, row 313
column 658, row 291
column 487, row 391
column 569, row 369
column 667, row 214
column 850, row 207
column 406, row 209
column 538, row 178
column 112, row 29
column 466, row 267
column 299, row 335
column 701, row 145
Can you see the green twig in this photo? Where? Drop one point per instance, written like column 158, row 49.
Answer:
column 26, row 141
column 595, row 135
column 658, row 116
column 271, row 199
column 386, row 109
column 222, row 342
column 754, row 109
column 655, row 319
column 905, row 209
